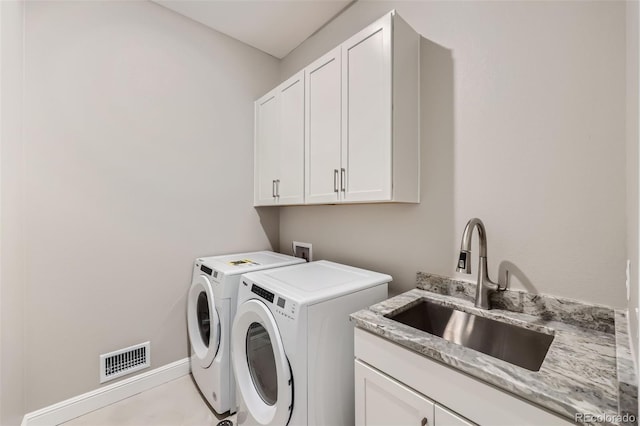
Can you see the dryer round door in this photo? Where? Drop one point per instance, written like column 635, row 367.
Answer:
column 263, row 374
column 203, row 322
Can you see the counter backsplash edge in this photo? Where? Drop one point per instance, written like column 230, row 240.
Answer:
column 548, row 308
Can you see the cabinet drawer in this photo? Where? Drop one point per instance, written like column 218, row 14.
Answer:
column 444, row 417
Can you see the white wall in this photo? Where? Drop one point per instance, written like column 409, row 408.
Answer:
column 138, row 124
column 523, row 117
column 138, row 148
column 11, row 218
column 633, row 139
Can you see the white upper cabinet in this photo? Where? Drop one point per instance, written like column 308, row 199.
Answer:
column 361, row 109
column 279, row 145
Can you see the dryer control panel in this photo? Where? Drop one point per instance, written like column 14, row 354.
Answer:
column 281, row 306
column 286, row 308
column 265, row 294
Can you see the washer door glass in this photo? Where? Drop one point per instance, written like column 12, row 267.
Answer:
column 203, row 322
column 262, row 364
column 204, row 318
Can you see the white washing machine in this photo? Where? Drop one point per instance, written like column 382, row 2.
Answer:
column 292, row 342
column 211, row 305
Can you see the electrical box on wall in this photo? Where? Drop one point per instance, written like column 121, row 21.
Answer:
column 303, row 250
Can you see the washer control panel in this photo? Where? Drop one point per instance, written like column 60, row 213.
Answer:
column 204, row 269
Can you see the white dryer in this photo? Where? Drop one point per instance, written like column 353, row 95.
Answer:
column 211, row 305
column 292, row 342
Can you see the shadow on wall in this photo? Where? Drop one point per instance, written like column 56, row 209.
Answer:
column 270, row 222
column 437, row 134
column 514, row 271
column 438, row 142
column 397, row 239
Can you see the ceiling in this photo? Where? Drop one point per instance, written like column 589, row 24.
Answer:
column 273, row 26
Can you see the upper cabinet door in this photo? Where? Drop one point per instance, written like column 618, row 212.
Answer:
column 367, row 113
column 279, row 145
column 266, row 149
column 322, row 134
column 290, row 177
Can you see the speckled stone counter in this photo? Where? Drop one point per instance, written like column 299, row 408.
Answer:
column 578, row 375
column 627, row 379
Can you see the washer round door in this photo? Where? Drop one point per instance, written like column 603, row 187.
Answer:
column 203, row 321
column 262, row 370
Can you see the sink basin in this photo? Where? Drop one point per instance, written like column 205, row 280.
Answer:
column 510, row 343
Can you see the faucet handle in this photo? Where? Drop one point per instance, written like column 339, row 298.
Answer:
column 463, row 262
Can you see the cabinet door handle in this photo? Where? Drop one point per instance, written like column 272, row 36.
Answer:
column 343, row 179
column 278, row 188
column 335, row 180
column 423, row 422
column 273, row 188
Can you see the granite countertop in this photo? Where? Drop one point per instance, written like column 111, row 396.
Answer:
column 588, row 368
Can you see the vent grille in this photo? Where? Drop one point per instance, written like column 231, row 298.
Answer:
column 124, row 361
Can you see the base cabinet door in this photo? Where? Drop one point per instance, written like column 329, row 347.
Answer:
column 382, row 401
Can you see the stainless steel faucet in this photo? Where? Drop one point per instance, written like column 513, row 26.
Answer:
column 485, row 285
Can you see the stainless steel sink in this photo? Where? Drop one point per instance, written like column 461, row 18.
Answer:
column 510, row 343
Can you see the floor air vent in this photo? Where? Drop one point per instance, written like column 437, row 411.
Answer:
column 124, row 361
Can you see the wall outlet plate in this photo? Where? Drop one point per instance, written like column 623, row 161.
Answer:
column 303, row 250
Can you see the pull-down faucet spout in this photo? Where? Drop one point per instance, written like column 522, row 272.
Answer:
column 485, row 285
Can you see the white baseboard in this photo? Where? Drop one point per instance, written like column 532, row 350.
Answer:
column 90, row 401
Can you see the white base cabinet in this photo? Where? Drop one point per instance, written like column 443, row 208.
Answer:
column 382, row 401
column 396, row 386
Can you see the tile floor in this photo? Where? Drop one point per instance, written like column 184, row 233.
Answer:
column 176, row 403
